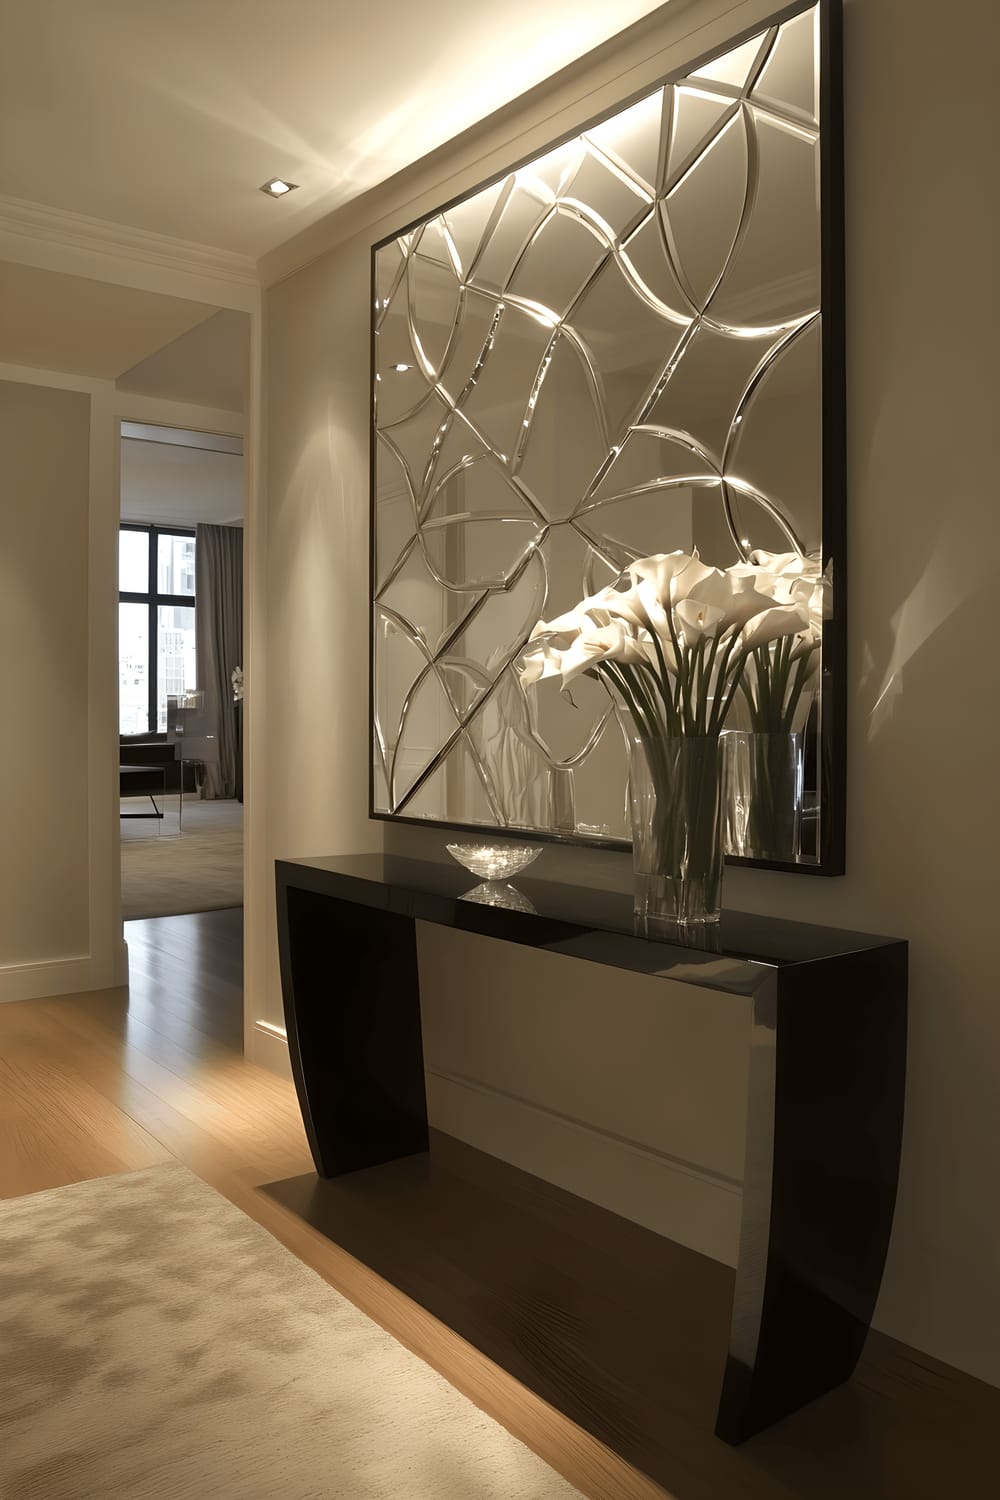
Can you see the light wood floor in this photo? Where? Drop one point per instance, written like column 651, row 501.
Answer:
column 110, row 1082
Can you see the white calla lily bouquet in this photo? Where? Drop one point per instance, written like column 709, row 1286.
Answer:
column 675, row 644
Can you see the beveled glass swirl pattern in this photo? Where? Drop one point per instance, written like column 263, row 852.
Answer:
column 613, row 351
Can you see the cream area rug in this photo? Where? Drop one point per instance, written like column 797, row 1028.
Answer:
column 157, row 1344
column 167, row 872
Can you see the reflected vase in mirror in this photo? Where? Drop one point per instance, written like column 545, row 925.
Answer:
column 764, row 779
column 765, row 765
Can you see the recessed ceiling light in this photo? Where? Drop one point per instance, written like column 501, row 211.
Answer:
column 278, row 187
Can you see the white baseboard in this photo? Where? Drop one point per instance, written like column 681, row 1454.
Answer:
column 121, row 962
column 696, row 1208
column 59, row 976
column 267, row 1046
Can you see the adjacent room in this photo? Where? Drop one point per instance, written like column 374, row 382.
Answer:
column 180, row 651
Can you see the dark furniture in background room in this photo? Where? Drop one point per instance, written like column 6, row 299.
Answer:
column 149, row 780
column 163, row 768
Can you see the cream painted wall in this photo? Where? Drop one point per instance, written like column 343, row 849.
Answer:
column 922, row 820
column 45, row 442
column 101, row 960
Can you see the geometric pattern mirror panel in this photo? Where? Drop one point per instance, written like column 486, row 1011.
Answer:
column 631, row 344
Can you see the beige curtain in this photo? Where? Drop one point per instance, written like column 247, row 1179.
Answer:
column 219, row 628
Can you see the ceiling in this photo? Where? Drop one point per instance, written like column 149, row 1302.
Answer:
column 52, row 321
column 180, row 485
column 207, row 365
column 167, row 118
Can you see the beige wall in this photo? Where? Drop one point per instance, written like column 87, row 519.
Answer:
column 60, row 849
column 44, row 510
column 922, row 817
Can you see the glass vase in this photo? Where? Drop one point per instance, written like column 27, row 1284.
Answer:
column 765, row 781
column 677, row 814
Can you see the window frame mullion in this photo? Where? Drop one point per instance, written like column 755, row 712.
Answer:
column 153, row 600
column 154, row 653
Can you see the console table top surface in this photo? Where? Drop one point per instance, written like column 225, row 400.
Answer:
column 579, row 921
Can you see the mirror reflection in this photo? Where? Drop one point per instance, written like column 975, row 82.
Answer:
column 614, row 351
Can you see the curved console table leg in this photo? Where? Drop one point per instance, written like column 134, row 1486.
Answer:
column 352, row 1012
column 827, row 1071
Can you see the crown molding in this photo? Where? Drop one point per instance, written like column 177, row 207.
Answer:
column 624, row 65
column 44, row 226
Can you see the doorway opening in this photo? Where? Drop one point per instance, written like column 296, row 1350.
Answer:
column 180, row 658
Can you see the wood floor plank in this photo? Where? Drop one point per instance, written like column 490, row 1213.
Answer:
column 226, row 1106
column 55, row 1129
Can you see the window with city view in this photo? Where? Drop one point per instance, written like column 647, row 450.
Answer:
column 156, row 628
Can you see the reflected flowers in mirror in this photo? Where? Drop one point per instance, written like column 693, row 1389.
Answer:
column 672, row 648
column 781, row 673
column 766, row 769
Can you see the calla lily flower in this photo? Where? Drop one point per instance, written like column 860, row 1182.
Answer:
column 590, row 642
column 610, row 642
column 624, row 604
column 699, row 618
column 734, row 595
column 540, row 659
column 672, row 575
column 783, row 619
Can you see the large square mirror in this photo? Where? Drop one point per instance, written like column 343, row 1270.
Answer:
column 631, row 344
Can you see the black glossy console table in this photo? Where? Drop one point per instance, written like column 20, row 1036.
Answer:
column 469, row 1237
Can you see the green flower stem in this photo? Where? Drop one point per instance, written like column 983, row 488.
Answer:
column 737, row 678
column 677, row 734
column 663, row 682
column 772, row 823
column 803, row 666
column 677, row 831
column 680, row 656
column 709, row 669
column 721, row 705
column 774, row 691
column 640, row 692
column 631, row 684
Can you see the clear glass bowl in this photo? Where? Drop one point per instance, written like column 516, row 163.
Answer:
column 494, row 861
